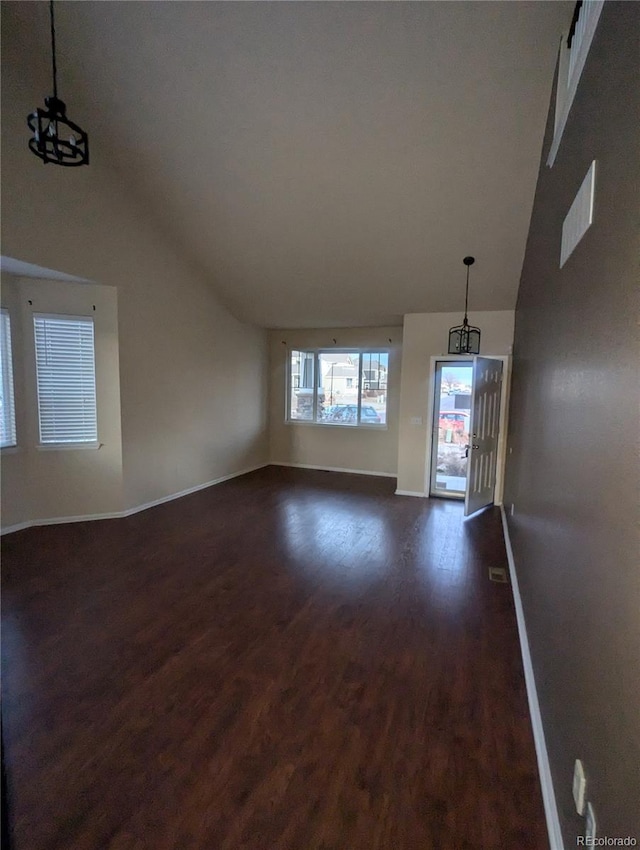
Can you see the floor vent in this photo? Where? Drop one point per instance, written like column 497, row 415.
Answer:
column 498, row 574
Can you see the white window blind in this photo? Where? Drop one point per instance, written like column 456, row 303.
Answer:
column 7, row 403
column 66, row 379
column 573, row 56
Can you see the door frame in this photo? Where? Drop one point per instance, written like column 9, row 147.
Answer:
column 504, row 417
column 429, row 486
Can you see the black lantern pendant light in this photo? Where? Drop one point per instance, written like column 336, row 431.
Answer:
column 465, row 339
column 56, row 138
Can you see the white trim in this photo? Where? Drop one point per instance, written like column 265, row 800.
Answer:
column 502, row 426
column 411, row 493
column 67, row 447
column 129, row 511
column 309, row 423
column 9, row 529
column 544, row 770
column 360, row 352
column 61, row 520
column 190, row 490
column 8, row 384
column 431, row 408
column 73, row 371
column 566, row 88
column 334, row 469
column 65, row 317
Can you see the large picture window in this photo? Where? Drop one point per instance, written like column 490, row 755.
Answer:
column 66, row 379
column 7, row 403
column 338, row 387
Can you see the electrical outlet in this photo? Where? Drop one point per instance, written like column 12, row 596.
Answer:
column 416, row 420
column 590, row 829
column 579, row 786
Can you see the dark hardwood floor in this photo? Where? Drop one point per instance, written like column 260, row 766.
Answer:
column 291, row 659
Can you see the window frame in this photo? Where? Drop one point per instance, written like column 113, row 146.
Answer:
column 316, row 352
column 66, row 444
column 10, row 446
column 570, row 67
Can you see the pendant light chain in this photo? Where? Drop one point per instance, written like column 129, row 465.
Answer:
column 56, row 138
column 465, row 339
column 466, row 297
column 53, row 50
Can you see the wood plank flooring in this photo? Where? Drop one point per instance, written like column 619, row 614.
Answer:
column 292, row 660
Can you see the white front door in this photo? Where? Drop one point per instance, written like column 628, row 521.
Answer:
column 483, row 436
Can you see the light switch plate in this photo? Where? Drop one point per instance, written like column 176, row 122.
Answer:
column 416, row 420
column 579, row 786
column 590, row 830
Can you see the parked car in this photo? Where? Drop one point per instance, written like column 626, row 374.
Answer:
column 454, row 420
column 369, row 415
column 348, row 413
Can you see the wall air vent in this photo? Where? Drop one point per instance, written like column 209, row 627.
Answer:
column 579, row 217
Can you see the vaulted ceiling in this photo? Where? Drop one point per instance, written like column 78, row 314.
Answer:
column 324, row 164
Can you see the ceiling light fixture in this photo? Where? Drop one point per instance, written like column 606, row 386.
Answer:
column 55, row 138
column 465, row 339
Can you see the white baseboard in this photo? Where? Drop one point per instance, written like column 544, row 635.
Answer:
column 129, row 511
column 62, row 520
column 9, row 529
column 411, row 493
column 189, row 490
column 546, row 782
column 333, row 469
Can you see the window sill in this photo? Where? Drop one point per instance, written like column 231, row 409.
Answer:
column 335, row 426
column 57, row 447
column 10, row 450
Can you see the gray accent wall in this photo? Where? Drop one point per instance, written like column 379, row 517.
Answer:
column 573, row 470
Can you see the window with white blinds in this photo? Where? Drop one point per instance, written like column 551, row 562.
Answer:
column 7, row 402
column 66, row 379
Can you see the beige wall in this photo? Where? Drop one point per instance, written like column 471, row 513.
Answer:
column 194, row 388
column 367, row 450
column 15, row 507
column 193, row 379
column 426, row 335
column 52, row 483
column 573, row 475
